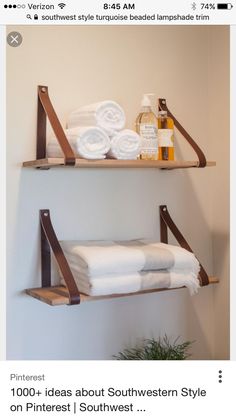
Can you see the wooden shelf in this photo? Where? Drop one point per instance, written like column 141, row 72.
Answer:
column 58, row 295
column 47, row 163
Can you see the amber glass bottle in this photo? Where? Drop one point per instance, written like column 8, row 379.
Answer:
column 146, row 127
column 165, row 136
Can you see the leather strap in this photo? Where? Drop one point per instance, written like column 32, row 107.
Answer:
column 162, row 106
column 41, row 131
column 166, row 221
column 45, row 260
column 49, row 234
column 45, row 108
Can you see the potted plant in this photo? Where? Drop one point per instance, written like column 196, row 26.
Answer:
column 160, row 349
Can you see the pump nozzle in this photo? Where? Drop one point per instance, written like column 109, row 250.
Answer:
column 147, row 99
column 151, row 95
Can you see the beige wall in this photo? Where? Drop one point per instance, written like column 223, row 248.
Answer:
column 219, row 133
column 83, row 65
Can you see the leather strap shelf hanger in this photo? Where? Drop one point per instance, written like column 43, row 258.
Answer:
column 166, row 221
column 46, row 110
column 162, row 106
column 49, row 240
column 70, row 295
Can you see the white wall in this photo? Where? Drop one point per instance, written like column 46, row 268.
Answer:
column 83, row 65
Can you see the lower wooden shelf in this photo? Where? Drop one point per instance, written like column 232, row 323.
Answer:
column 47, row 163
column 58, row 295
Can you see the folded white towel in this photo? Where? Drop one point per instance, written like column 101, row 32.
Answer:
column 86, row 142
column 107, row 115
column 108, row 267
column 185, row 279
column 184, row 261
column 111, row 284
column 124, row 284
column 125, row 144
column 105, row 257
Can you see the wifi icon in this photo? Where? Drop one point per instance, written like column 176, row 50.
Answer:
column 61, row 5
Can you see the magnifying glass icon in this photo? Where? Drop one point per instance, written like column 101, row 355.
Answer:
column 28, row 16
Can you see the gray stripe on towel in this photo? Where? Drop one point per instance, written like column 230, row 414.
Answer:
column 152, row 280
column 155, row 257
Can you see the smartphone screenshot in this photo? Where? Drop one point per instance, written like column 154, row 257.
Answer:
column 117, row 209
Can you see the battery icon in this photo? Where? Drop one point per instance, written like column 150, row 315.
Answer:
column 224, row 6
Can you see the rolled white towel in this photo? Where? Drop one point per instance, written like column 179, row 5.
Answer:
column 125, row 144
column 107, row 115
column 86, row 142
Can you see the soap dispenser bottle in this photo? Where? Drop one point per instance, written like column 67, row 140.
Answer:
column 165, row 136
column 146, row 127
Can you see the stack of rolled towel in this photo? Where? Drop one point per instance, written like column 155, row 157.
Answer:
column 97, row 131
column 108, row 267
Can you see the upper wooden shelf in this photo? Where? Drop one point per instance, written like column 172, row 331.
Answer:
column 46, row 110
column 58, row 295
column 48, row 163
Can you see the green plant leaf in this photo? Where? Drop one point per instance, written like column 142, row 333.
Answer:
column 160, row 349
